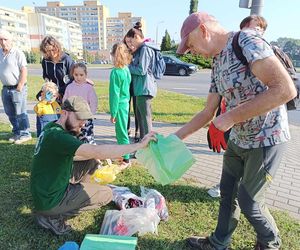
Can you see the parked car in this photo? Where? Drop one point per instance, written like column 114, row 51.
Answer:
column 96, row 62
column 174, row 66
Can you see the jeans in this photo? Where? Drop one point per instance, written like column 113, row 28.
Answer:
column 42, row 121
column 246, row 175
column 14, row 104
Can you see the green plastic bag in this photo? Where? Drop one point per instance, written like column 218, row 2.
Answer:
column 167, row 159
column 108, row 242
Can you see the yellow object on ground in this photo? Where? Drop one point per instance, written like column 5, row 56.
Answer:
column 105, row 174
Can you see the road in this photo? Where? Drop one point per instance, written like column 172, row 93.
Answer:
column 195, row 85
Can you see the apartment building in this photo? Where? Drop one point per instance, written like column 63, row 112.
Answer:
column 91, row 16
column 117, row 27
column 29, row 28
column 16, row 23
column 67, row 33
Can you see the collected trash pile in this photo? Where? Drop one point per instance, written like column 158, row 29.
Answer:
column 137, row 215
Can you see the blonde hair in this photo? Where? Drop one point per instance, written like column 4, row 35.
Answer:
column 121, row 54
column 49, row 87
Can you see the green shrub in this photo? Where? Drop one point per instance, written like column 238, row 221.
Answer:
column 198, row 60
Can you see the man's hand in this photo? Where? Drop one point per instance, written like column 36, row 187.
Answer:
column 113, row 120
column 216, row 139
column 19, row 88
column 147, row 138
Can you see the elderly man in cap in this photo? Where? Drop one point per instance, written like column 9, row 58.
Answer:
column 61, row 187
column 254, row 98
column 13, row 75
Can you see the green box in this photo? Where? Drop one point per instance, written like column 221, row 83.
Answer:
column 108, row 242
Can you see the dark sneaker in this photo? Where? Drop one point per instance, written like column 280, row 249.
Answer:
column 13, row 138
column 132, row 156
column 200, row 243
column 56, row 225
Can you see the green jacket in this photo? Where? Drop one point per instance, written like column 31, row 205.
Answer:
column 119, row 83
column 140, row 68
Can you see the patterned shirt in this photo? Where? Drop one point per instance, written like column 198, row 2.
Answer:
column 237, row 84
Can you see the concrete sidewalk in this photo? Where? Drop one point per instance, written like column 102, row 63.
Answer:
column 283, row 194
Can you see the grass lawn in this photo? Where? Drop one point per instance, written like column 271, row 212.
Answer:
column 167, row 106
column 192, row 211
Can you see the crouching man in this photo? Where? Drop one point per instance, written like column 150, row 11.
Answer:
column 60, row 186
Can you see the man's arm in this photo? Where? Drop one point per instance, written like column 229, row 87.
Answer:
column 281, row 89
column 88, row 151
column 202, row 118
column 22, row 79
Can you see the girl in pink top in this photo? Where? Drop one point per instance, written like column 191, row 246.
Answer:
column 80, row 87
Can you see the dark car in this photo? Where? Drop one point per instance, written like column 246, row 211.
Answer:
column 174, row 66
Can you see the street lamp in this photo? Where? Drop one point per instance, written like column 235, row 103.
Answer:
column 156, row 41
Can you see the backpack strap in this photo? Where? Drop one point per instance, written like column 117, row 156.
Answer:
column 237, row 49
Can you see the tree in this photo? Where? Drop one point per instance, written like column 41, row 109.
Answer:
column 166, row 42
column 288, row 45
column 193, row 6
column 88, row 57
column 72, row 55
column 32, row 57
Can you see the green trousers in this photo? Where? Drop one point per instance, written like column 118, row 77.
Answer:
column 121, row 126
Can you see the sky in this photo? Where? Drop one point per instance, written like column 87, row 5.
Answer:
column 161, row 15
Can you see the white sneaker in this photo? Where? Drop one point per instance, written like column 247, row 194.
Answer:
column 13, row 138
column 215, row 191
column 22, row 139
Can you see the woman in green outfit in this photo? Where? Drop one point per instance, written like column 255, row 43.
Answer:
column 119, row 95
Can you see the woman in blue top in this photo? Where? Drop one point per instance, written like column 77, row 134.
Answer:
column 143, row 81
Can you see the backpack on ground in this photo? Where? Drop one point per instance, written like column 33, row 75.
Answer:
column 159, row 65
column 283, row 58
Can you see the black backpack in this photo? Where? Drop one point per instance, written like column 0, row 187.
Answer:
column 283, row 58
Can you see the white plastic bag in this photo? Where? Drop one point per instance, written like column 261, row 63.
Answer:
column 159, row 202
column 124, row 198
column 130, row 221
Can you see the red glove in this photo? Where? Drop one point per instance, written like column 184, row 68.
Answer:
column 216, row 139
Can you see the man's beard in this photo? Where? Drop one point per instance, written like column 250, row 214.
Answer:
column 71, row 129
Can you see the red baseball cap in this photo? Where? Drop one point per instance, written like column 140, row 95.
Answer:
column 189, row 24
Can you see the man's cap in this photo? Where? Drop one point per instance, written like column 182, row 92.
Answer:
column 79, row 106
column 4, row 34
column 189, row 24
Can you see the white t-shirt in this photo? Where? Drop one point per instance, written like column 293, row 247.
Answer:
column 11, row 65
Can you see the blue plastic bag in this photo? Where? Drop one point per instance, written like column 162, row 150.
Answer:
column 69, row 245
column 167, row 159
